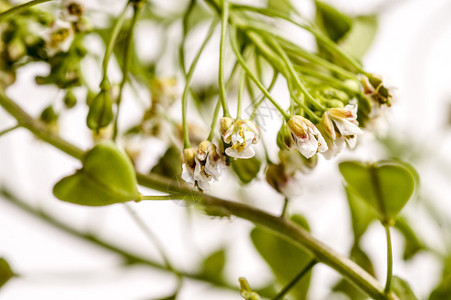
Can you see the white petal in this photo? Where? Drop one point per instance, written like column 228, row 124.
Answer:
column 322, row 145
column 204, row 185
column 213, row 169
column 308, row 147
column 187, row 175
column 345, row 127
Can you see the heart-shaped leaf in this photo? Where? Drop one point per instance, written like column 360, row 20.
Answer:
column 386, row 185
column 107, row 177
column 331, row 21
column 246, row 169
column 285, row 259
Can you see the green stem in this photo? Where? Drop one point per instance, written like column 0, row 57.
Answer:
column 295, row 280
column 240, row 94
column 262, row 98
column 125, row 66
column 282, row 227
column 214, row 121
column 222, row 88
column 389, row 260
column 109, row 49
column 321, row 37
column 7, row 130
column 20, row 7
column 189, row 77
column 185, row 21
column 285, row 206
column 293, row 74
column 252, row 76
column 163, row 197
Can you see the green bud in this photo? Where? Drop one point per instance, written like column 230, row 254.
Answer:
column 334, row 103
column 276, row 177
column 100, row 111
column 284, row 139
column 90, row 97
column 69, row 99
column 16, row 50
column 48, row 115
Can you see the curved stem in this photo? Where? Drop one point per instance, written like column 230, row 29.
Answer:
column 189, row 76
column 240, row 94
column 109, row 49
column 252, row 76
column 295, row 280
column 222, row 88
column 125, row 66
column 20, row 7
column 389, row 260
column 282, row 227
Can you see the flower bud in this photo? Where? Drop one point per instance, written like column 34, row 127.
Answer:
column 188, row 157
column 373, row 86
column 224, row 124
column 203, row 149
column 276, row 177
column 100, row 111
column 284, row 138
column 69, row 99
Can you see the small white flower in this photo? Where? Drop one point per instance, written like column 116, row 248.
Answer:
column 72, row 10
column 241, row 134
column 201, row 165
column 308, row 139
column 340, row 127
column 59, row 37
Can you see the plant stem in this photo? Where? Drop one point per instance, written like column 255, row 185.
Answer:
column 109, row 49
column 295, row 280
column 282, row 227
column 252, row 76
column 285, row 206
column 240, row 93
column 189, row 77
column 389, row 260
column 7, row 130
column 125, row 66
column 162, row 197
column 185, row 21
column 20, row 7
column 222, row 88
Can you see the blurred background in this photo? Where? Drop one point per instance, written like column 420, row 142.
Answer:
column 411, row 51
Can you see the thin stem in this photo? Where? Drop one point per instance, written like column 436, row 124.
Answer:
column 20, row 7
column 293, row 73
column 189, row 77
column 262, row 98
column 222, row 88
column 7, row 130
column 252, row 76
column 285, row 206
column 325, row 40
column 163, row 197
column 295, row 280
column 240, row 94
column 389, row 260
column 185, row 21
column 150, row 235
column 109, row 49
column 125, row 66
column 285, row 228
column 214, row 121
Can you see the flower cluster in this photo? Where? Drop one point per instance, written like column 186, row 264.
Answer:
column 239, row 136
column 201, row 165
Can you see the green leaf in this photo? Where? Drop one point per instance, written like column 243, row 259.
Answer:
column 386, row 185
column 246, row 169
column 284, row 259
column 169, row 164
column 100, row 111
column 213, row 266
column 412, row 245
column 443, row 289
column 281, row 6
column 332, row 22
column 107, row 177
column 402, row 289
column 361, row 214
column 359, row 39
column 6, row 273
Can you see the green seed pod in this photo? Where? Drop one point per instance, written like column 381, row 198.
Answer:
column 69, row 99
column 100, row 111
